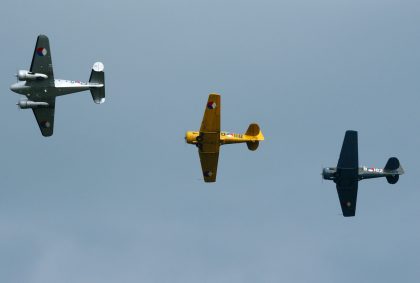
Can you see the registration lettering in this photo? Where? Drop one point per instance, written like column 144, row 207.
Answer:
column 373, row 170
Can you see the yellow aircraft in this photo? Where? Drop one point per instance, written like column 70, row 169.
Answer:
column 210, row 138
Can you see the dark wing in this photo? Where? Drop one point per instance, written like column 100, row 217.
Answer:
column 349, row 156
column 348, row 197
column 209, row 155
column 41, row 60
column 45, row 117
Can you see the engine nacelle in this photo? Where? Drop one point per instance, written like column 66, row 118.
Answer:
column 23, row 75
column 329, row 173
column 26, row 104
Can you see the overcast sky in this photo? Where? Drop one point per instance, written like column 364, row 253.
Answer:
column 117, row 196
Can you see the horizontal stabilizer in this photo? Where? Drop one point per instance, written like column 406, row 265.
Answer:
column 97, row 82
column 393, row 179
column 394, row 167
column 392, row 164
column 252, row 145
column 255, row 131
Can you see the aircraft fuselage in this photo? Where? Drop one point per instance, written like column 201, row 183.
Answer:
column 334, row 174
column 39, row 89
column 192, row 137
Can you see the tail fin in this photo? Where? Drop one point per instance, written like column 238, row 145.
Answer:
column 97, row 81
column 393, row 166
column 254, row 131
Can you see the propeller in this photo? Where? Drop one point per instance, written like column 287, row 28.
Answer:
column 17, row 104
column 185, row 140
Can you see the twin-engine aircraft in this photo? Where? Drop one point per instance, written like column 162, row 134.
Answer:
column 209, row 139
column 347, row 173
column 41, row 89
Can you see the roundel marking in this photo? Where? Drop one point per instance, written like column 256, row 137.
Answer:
column 211, row 105
column 208, row 173
column 98, row 67
column 41, row 51
column 46, row 124
column 348, row 204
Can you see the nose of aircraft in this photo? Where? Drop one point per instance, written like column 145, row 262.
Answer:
column 323, row 173
column 17, row 87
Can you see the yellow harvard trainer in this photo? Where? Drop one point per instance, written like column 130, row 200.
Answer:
column 209, row 138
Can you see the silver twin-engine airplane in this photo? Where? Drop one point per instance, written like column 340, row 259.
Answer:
column 41, row 89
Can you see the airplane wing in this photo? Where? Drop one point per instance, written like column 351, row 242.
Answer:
column 209, row 165
column 211, row 119
column 45, row 117
column 348, row 165
column 210, row 138
column 41, row 60
column 348, row 197
column 209, row 155
column 349, row 152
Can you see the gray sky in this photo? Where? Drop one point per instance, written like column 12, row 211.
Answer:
column 117, row 196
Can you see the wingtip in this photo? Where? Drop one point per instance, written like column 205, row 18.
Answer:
column 42, row 36
column 47, row 135
column 351, row 132
column 99, row 101
column 98, row 67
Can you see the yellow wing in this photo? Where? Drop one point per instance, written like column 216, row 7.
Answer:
column 209, row 165
column 209, row 155
column 211, row 119
column 209, row 138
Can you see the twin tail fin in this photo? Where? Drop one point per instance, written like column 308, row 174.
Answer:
column 97, row 83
